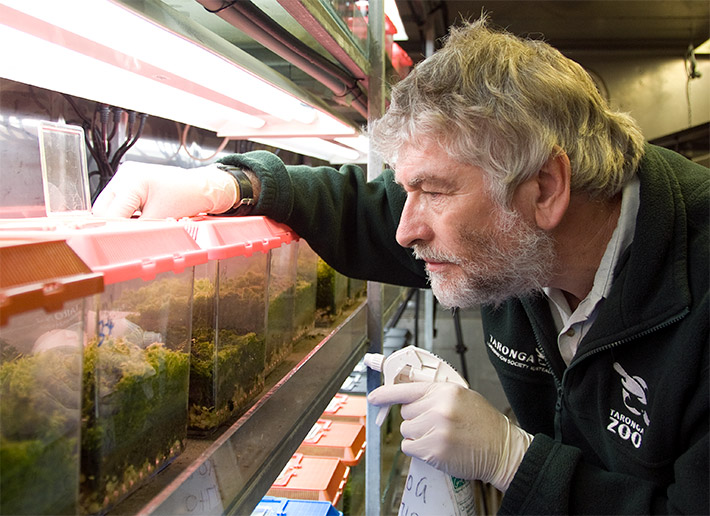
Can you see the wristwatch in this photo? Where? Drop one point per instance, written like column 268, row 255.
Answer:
column 245, row 194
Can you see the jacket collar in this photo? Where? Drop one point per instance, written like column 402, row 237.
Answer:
column 650, row 279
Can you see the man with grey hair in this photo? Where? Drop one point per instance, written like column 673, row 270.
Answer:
column 516, row 188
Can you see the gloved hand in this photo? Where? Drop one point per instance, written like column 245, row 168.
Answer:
column 161, row 191
column 457, row 431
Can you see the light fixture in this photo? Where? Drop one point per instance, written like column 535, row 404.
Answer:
column 104, row 51
column 318, row 148
column 360, row 143
column 703, row 48
column 392, row 13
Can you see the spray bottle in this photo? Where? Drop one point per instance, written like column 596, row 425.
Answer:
column 427, row 490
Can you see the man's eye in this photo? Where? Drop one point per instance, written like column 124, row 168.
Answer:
column 431, row 195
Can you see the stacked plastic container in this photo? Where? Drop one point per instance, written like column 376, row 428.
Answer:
column 332, row 289
column 342, row 439
column 231, row 298
column 44, row 290
column 311, row 478
column 137, row 359
column 306, row 288
column 134, row 408
column 280, row 328
column 328, row 465
column 272, row 506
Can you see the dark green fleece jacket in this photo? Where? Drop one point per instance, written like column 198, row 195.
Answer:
column 624, row 428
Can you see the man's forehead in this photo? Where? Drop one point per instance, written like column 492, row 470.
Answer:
column 418, row 168
column 418, row 177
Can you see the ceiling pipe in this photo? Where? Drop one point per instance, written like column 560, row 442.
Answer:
column 330, row 42
column 248, row 18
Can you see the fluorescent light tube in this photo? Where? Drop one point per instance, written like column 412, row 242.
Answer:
column 103, row 51
column 317, row 148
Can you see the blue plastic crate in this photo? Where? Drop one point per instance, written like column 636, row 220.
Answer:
column 272, row 506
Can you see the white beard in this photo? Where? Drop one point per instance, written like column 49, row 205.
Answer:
column 513, row 260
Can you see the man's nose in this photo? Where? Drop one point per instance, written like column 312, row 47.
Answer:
column 413, row 225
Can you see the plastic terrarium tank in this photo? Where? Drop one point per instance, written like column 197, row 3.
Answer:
column 44, row 290
column 137, row 359
column 357, row 288
column 228, row 362
column 283, row 262
column 306, row 289
column 332, row 289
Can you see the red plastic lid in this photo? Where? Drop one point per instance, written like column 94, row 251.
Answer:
column 226, row 237
column 42, row 274
column 311, row 478
column 122, row 249
column 346, row 407
column 344, row 440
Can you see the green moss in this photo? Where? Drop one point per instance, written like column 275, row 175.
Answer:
column 242, row 303
column 305, row 306
column 280, row 331
column 161, row 306
column 134, row 417
column 332, row 294
column 223, row 381
column 39, row 431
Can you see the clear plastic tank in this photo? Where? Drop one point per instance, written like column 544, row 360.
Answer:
column 306, row 288
column 44, row 292
column 134, row 391
column 228, row 363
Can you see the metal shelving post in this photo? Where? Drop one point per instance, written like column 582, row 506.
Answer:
column 376, row 107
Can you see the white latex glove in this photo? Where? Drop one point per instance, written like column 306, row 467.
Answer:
column 161, row 191
column 457, row 431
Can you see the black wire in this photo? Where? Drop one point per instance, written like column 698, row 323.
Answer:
column 98, row 139
column 129, row 136
column 117, row 112
column 76, row 109
column 224, row 6
column 116, row 160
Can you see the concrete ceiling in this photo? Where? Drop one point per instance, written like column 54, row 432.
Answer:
column 656, row 26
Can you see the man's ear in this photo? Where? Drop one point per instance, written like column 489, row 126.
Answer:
column 552, row 191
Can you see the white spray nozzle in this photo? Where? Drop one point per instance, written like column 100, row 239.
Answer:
column 411, row 364
column 374, row 361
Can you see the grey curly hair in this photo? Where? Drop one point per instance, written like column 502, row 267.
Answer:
column 507, row 105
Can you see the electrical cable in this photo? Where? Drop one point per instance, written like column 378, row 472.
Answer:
column 183, row 144
column 116, row 160
column 98, row 138
column 225, row 5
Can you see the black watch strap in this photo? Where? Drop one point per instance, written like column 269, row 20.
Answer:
column 246, row 193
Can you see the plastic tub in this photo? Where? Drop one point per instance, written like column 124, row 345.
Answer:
column 228, row 363
column 306, row 289
column 137, row 350
column 272, row 506
column 137, row 360
column 341, row 439
column 44, row 293
column 311, row 478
